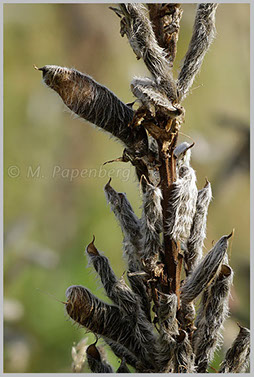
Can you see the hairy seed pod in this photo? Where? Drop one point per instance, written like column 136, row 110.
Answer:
column 95, row 361
column 123, row 367
column 184, row 356
column 107, row 320
column 211, row 316
column 130, row 224
column 168, row 328
column 138, row 28
column 193, row 253
column 182, row 202
column 198, row 280
column 132, row 243
column 238, row 356
column 96, row 104
column 202, row 37
column 122, row 352
column 149, row 93
column 151, row 224
column 117, row 290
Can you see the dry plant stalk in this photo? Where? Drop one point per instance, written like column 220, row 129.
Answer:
column 170, row 235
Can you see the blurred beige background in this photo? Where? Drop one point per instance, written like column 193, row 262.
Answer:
column 50, row 217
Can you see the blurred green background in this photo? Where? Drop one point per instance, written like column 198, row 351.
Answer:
column 50, row 217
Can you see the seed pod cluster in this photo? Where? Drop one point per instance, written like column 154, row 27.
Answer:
column 151, row 323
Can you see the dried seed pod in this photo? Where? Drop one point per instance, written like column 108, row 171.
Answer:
column 138, row 28
column 165, row 351
column 165, row 346
column 96, row 104
column 184, row 356
column 95, row 361
column 129, row 222
column 151, row 224
column 149, row 92
column 166, row 24
column 211, row 315
column 123, row 367
column 238, row 356
column 193, row 253
column 198, row 280
column 202, row 37
column 117, row 290
column 132, row 243
column 107, row 320
column 182, row 203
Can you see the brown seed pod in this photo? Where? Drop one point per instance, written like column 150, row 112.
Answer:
column 95, row 103
column 107, row 320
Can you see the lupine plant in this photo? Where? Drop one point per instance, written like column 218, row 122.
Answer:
column 169, row 315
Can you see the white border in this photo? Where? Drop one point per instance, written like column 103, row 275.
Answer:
column 251, row 171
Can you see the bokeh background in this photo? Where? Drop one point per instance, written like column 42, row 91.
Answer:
column 50, row 217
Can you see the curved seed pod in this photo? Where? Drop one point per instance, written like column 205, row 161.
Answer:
column 165, row 347
column 202, row 37
column 238, row 356
column 211, row 315
column 106, row 320
column 122, row 352
column 96, row 104
column 151, row 224
column 123, row 367
column 129, row 222
column 138, row 28
column 195, row 243
column 198, row 280
column 132, row 243
column 184, row 356
column 95, row 361
column 117, row 290
column 182, row 203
